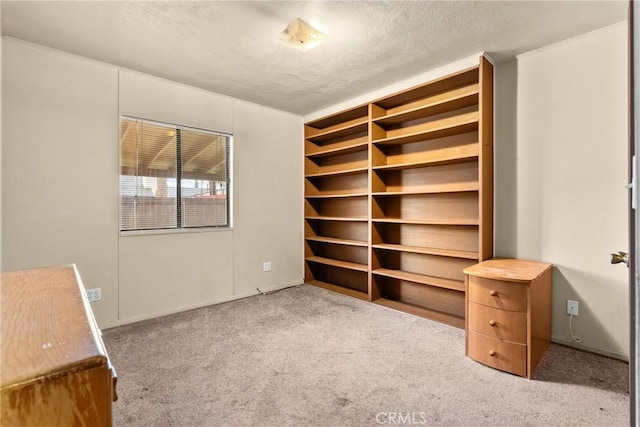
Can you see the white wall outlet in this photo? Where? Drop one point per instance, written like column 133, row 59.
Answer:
column 266, row 266
column 572, row 307
column 94, row 294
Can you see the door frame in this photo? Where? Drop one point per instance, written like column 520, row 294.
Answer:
column 634, row 200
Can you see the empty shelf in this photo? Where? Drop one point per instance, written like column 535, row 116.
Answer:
column 422, row 279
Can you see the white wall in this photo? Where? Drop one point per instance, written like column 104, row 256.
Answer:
column 59, row 166
column 561, row 152
column 268, row 217
column 172, row 272
column 60, row 186
column 267, row 206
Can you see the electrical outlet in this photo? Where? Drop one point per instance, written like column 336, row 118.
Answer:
column 572, row 307
column 266, row 266
column 94, row 294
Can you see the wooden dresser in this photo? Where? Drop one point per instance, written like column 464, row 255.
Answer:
column 54, row 368
column 508, row 314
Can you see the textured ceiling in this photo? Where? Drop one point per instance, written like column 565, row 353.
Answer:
column 233, row 48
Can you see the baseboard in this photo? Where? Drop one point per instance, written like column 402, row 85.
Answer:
column 200, row 305
column 178, row 310
column 596, row 350
column 276, row 288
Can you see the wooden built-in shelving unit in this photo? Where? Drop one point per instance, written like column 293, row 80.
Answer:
column 399, row 195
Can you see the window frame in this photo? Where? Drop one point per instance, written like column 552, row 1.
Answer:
column 178, row 199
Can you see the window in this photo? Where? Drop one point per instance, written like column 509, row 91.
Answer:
column 172, row 177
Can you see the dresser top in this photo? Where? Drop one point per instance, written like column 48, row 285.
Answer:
column 513, row 270
column 47, row 326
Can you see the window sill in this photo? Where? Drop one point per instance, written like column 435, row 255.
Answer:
column 134, row 233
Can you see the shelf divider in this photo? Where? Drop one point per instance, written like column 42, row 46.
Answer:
column 467, row 156
column 468, row 221
column 352, row 148
column 338, row 263
column 336, row 218
column 335, row 196
column 337, row 173
column 437, row 129
column 464, row 187
column 451, row 100
column 422, row 279
column 427, row 251
column 436, row 316
column 353, row 127
column 340, row 289
column 336, row 241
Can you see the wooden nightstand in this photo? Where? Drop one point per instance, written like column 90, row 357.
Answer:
column 508, row 314
column 55, row 368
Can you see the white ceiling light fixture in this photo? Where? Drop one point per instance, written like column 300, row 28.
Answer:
column 302, row 36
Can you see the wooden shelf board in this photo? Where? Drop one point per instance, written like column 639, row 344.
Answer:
column 353, row 148
column 449, row 160
column 422, row 279
column 428, row 221
column 438, row 129
column 337, row 173
column 428, row 251
column 335, row 196
column 352, row 128
column 338, row 263
column 356, row 113
column 337, row 218
column 336, row 241
column 445, row 83
column 448, row 101
column 443, row 188
column 340, row 289
column 437, row 316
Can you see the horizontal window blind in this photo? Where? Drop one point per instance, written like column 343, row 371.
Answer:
column 204, row 180
column 172, row 176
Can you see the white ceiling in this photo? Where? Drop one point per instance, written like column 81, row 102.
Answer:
column 233, row 48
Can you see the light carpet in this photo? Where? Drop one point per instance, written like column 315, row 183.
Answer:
column 308, row 357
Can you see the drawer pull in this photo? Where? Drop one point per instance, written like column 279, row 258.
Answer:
column 493, row 293
column 492, row 353
column 492, row 322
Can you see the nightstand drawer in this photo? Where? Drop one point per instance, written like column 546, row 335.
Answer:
column 503, row 355
column 497, row 323
column 498, row 293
